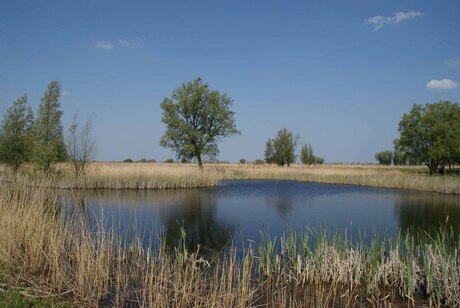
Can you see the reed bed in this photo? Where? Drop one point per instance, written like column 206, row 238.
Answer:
column 165, row 176
column 139, row 176
column 49, row 251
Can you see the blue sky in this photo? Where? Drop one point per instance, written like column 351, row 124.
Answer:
column 338, row 73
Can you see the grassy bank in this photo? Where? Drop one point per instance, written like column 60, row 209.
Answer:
column 52, row 253
column 118, row 176
column 15, row 299
column 412, row 178
column 164, row 176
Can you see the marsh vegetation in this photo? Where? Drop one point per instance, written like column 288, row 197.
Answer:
column 60, row 256
column 160, row 176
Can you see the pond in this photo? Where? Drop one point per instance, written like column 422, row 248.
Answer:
column 237, row 211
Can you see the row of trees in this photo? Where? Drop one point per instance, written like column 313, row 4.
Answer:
column 281, row 150
column 41, row 140
column 197, row 117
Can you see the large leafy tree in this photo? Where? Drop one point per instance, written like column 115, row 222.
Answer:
column 281, row 150
column 49, row 146
column 430, row 134
column 196, row 118
column 15, row 134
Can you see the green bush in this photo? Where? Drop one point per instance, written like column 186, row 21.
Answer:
column 384, row 157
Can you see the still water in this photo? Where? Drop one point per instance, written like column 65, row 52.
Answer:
column 237, row 211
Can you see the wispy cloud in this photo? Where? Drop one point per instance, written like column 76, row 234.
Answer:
column 453, row 63
column 126, row 42
column 103, row 45
column 378, row 22
column 65, row 93
column 443, row 84
column 130, row 42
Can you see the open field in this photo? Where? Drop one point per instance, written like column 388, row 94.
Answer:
column 50, row 252
column 161, row 176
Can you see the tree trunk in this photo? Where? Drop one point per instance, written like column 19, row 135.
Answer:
column 200, row 163
column 442, row 169
column 433, row 166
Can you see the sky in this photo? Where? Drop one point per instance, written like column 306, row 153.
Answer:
column 340, row 74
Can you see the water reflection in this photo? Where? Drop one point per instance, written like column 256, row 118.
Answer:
column 283, row 204
column 197, row 215
column 427, row 212
column 161, row 214
column 238, row 210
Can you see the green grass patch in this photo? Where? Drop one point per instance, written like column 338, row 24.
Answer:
column 14, row 299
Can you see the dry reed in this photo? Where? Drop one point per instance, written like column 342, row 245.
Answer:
column 48, row 249
column 163, row 176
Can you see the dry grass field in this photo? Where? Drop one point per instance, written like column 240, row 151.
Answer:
column 164, row 176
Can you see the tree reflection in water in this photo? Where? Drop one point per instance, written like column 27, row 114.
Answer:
column 283, row 204
column 197, row 215
column 427, row 212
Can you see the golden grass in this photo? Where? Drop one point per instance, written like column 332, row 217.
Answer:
column 121, row 176
column 49, row 251
column 163, row 176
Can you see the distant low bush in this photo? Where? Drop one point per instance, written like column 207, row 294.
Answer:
column 259, row 162
column 384, row 158
column 242, row 161
column 319, row 160
column 128, row 160
column 169, row 161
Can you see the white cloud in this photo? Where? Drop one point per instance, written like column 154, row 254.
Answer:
column 378, row 22
column 443, row 84
column 453, row 63
column 65, row 93
column 130, row 42
column 103, row 45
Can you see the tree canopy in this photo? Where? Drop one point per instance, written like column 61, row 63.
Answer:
column 430, row 134
column 196, row 118
column 49, row 146
column 281, row 150
column 15, row 134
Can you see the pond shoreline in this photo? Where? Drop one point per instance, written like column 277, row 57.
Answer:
column 60, row 256
column 148, row 176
